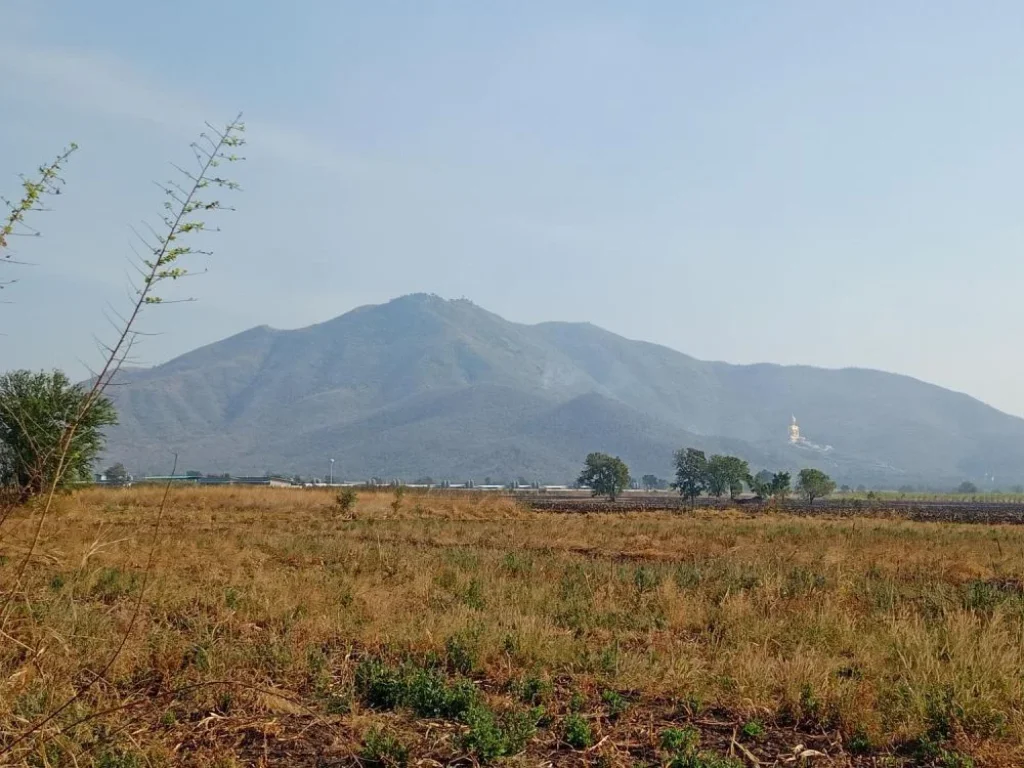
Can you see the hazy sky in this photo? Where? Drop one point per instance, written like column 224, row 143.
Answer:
column 838, row 184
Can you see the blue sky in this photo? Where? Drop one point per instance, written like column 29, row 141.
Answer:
column 834, row 184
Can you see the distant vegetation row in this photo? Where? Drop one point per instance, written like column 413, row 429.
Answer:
column 29, row 453
column 697, row 474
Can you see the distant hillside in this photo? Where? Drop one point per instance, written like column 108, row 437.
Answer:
column 424, row 386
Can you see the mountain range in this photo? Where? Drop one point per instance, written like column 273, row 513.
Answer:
column 423, row 386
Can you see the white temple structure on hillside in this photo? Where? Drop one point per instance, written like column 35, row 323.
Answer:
column 794, row 432
column 795, row 438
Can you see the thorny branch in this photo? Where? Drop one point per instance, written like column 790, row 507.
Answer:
column 163, row 262
column 47, row 181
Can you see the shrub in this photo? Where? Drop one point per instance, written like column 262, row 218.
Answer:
column 533, row 690
column 381, row 749
column 426, row 692
column 461, row 653
column 35, row 409
column 577, row 701
column 120, row 759
column 615, row 702
column 859, row 743
column 948, row 759
column 679, row 739
column 345, row 501
column 517, row 563
column 681, row 744
column 379, row 685
column 490, row 737
column 429, row 694
column 703, row 760
column 577, row 732
column 646, row 579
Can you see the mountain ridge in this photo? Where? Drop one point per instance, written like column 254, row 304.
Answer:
column 426, row 386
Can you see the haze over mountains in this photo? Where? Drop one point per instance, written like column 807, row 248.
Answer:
column 424, row 386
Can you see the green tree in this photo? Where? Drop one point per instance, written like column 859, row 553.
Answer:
column 716, row 476
column 814, row 484
column 605, row 475
column 739, row 471
column 35, row 411
column 726, row 473
column 691, row 473
column 116, row 474
column 967, row 488
column 653, row 482
column 779, row 486
column 761, row 484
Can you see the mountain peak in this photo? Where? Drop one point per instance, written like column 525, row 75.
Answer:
column 425, row 385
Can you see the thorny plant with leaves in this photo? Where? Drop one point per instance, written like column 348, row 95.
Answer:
column 47, row 181
column 188, row 200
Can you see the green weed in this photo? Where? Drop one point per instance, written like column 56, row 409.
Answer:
column 383, row 750
column 576, row 732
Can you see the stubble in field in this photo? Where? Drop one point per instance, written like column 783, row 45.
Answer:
column 276, row 629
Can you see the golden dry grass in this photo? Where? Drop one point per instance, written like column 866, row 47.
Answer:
column 897, row 639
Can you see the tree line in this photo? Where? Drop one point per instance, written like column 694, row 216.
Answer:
column 697, row 474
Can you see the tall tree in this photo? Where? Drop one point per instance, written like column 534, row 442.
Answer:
column 691, row 473
column 761, row 484
column 726, row 473
column 780, row 485
column 814, row 484
column 652, row 482
column 739, row 471
column 116, row 474
column 35, row 410
column 716, row 476
column 605, row 475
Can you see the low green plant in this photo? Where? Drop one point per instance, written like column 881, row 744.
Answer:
column 859, row 743
column 517, row 564
column 534, row 689
column 461, row 653
column 951, row 759
column 426, row 691
column 380, row 685
column 120, row 759
column 753, row 730
column 646, row 579
column 703, row 760
column 492, row 736
column 681, row 745
column 615, row 703
column 577, row 733
column 383, row 750
column 577, row 701
column 474, row 595
column 676, row 740
column 429, row 694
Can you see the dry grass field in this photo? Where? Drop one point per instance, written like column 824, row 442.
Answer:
column 273, row 630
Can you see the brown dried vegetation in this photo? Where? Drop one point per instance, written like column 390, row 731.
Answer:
column 275, row 630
